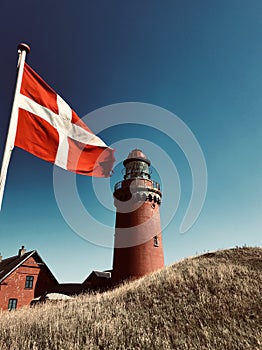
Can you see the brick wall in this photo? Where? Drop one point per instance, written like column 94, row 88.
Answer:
column 135, row 259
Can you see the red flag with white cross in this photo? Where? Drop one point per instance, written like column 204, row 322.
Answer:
column 43, row 124
column 51, row 130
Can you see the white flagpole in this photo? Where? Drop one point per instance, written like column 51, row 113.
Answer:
column 23, row 49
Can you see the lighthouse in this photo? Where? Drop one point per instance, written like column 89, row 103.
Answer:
column 138, row 247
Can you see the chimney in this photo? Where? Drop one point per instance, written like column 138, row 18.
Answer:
column 21, row 251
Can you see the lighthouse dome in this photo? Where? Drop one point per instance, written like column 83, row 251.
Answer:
column 136, row 153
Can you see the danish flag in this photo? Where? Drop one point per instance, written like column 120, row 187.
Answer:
column 48, row 128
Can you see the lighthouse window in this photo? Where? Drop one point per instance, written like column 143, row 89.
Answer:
column 156, row 243
column 137, row 169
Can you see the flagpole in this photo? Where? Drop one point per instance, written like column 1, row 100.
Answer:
column 23, row 49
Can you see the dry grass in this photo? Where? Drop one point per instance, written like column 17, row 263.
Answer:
column 210, row 302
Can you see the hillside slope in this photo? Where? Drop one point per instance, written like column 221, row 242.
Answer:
column 213, row 302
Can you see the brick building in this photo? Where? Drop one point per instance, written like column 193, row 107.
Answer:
column 22, row 278
column 25, row 279
column 138, row 249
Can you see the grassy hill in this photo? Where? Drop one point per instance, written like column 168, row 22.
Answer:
column 213, row 301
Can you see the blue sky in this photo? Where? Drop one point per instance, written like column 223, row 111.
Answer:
column 199, row 60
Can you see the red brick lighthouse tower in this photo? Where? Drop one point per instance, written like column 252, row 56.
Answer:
column 138, row 239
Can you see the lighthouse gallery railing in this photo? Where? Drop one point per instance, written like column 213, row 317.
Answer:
column 138, row 183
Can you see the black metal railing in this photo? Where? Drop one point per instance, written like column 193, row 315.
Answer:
column 137, row 183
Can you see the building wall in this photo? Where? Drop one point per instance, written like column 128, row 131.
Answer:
column 96, row 283
column 45, row 282
column 135, row 253
column 13, row 287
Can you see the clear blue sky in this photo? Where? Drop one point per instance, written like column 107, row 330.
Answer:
column 200, row 60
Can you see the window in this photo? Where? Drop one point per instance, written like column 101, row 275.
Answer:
column 29, row 282
column 156, row 243
column 12, row 304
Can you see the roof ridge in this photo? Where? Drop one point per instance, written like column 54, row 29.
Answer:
column 16, row 256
